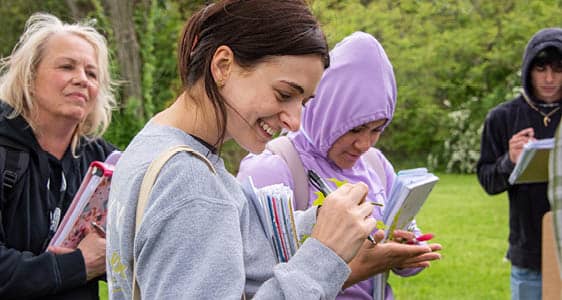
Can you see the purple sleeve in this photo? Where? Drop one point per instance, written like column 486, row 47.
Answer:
column 407, row 272
column 265, row 169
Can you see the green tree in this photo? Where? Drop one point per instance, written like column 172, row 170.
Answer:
column 453, row 61
column 448, row 56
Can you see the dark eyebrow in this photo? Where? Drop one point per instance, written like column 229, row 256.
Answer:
column 294, row 86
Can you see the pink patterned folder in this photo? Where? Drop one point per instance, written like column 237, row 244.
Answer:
column 89, row 204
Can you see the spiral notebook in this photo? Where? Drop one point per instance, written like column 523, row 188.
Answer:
column 88, row 205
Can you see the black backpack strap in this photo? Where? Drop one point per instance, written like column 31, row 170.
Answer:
column 2, row 162
column 13, row 164
column 14, row 167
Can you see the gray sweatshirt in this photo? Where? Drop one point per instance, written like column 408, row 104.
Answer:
column 200, row 238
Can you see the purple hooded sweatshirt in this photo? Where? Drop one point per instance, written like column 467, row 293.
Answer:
column 358, row 87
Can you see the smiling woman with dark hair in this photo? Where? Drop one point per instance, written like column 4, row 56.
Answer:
column 246, row 68
column 354, row 103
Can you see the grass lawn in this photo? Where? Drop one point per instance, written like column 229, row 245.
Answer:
column 472, row 227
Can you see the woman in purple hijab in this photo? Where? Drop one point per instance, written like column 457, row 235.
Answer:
column 353, row 104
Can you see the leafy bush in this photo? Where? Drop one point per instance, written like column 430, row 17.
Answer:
column 460, row 149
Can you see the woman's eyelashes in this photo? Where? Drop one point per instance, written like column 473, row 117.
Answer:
column 362, row 128
column 290, row 96
column 284, row 96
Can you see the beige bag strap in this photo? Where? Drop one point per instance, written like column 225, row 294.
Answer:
column 283, row 146
column 374, row 161
column 146, row 186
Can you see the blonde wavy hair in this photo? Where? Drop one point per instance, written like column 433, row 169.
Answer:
column 19, row 69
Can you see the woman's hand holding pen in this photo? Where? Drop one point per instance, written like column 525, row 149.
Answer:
column 93, row 249
column 345, row 221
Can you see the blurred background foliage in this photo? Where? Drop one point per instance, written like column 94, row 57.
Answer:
column 454, row 60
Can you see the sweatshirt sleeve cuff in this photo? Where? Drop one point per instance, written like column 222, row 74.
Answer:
column 407, row 272
column 315, row 267
column 71, row 269
column 506, row 165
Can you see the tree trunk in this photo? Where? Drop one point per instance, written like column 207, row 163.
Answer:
column 120, row 15
column 79, row 9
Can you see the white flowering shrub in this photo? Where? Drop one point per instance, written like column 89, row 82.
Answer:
column 461, row 150
column 461, row 147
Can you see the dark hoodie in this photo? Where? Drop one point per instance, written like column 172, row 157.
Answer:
column 527, row 202
column 26, row 271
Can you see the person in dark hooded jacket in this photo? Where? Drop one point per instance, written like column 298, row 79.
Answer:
column 55, row 103
column 533, row 114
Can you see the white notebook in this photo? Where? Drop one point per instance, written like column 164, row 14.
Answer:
column 409, row 192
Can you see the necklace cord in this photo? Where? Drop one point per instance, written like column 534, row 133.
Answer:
column 546, row 116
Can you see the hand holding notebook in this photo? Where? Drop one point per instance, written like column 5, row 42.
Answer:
column 89, row 204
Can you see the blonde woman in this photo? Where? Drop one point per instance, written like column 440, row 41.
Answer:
column 56, row 102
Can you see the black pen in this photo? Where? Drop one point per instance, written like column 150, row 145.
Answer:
column 99, row 229
column 325, row 189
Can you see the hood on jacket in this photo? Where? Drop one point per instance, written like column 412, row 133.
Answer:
column 17, row 129
column 358, row 87
column 544, row 38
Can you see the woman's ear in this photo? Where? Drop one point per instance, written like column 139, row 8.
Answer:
column 221, row 65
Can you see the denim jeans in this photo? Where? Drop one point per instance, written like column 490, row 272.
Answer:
column 526, row 284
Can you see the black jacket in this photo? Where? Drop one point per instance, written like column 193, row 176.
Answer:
column 26, row 270
column 527, row 202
